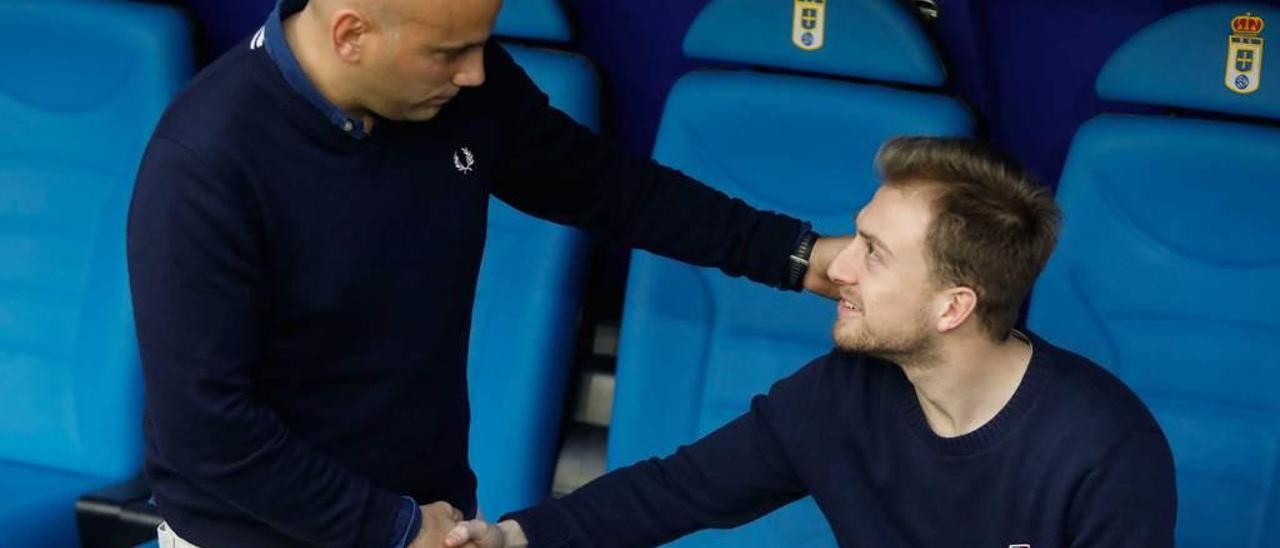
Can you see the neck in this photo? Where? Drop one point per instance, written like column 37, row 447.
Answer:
column 968, row 382
column 305, row 33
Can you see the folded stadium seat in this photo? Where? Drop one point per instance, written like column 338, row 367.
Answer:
column 526, row 310
column 84, row 83
column 695, row 344
column 1167, row 266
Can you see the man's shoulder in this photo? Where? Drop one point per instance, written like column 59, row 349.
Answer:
column 1092, row 404
column 211, row 126
column 215, row 106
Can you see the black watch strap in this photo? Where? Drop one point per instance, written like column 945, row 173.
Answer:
column 798, row 262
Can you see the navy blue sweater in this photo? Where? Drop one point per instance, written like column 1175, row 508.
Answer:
column 1074, row 459
column 303, row 293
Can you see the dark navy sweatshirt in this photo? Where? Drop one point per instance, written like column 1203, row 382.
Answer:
column 303, row 291
column 1074, row 459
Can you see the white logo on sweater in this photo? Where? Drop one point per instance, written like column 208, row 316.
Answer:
column 258, row 38
column 466, row 162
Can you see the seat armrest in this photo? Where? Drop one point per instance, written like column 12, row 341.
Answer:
column 117, row 516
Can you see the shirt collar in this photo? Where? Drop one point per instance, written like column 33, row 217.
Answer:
column 278, row 49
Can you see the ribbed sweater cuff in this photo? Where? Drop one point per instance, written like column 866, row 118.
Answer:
column 544, row 525
column 379, row 517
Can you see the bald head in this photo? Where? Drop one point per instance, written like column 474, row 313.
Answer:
column 400, row 59
column 378, row 12
column 428, row 12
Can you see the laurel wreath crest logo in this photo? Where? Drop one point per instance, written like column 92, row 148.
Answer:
column 464, row 163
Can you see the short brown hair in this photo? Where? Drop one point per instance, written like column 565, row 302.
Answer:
column 994, row 225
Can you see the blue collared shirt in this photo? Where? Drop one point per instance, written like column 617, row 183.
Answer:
column 278, row 49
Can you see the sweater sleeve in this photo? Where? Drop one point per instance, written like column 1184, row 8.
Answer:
column 732, row 476
column 1129, row 499
column 196, row 266
column 556, row 169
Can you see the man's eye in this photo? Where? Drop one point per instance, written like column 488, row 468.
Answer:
column 447, row 55
column 456, row 54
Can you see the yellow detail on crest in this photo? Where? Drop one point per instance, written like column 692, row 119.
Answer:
column 1244, row 54
column 807, row 27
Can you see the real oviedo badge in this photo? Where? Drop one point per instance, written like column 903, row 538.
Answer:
column 808, row 24
column 1244, row 54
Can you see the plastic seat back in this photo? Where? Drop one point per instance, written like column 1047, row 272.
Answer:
column 528, row 295
column 85, row 84
column 1166, row 268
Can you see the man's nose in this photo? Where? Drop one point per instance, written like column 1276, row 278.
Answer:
column 843, row 268
column 472, row 73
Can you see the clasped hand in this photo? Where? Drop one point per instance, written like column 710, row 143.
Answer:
column 443, row 527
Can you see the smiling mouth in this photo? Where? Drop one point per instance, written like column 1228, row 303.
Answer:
column 846, row 307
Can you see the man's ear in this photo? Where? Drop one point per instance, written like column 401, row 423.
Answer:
column 956, row 306
column 347, row 30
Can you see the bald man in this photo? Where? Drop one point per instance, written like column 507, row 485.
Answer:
column 304, row 238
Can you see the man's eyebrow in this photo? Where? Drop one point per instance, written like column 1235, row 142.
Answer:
column 875, row 241
column 448, row 48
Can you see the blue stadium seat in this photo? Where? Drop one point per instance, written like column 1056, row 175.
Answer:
column 1168, row 262
column 84, row 83
column 695, row 344
column 526, row 310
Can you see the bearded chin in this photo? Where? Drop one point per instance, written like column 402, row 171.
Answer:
column 914, row 345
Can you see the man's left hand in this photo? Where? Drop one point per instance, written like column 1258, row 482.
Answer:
column 478, row 534
column 824, row 252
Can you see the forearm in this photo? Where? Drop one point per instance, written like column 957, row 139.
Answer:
column 639, row 203
column 557, row 169
column 243, row 454
column 730, row 477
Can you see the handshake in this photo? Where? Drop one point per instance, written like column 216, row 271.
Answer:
column 443, row 526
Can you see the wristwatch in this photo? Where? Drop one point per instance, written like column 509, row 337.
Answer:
column 798, row 262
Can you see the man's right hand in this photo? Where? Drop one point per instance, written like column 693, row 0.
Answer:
column 437, row 519
column 478, row 534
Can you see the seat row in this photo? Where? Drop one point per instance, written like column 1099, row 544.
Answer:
column 1164, row 272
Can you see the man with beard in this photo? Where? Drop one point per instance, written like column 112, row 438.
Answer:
column 934, row 422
